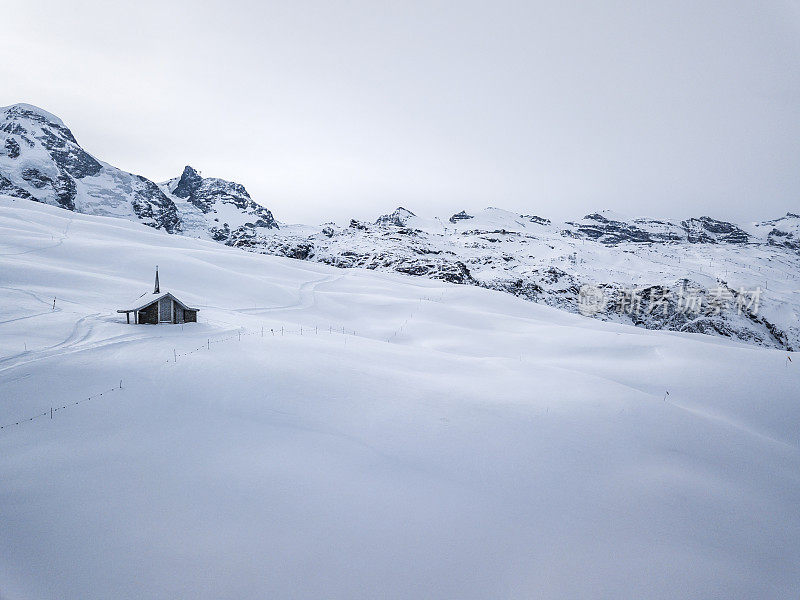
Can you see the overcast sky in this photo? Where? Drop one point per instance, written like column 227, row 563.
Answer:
column 327, row 110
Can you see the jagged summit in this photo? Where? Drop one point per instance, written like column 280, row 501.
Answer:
column 235, row 218
column 708, row 230
column 188, row 183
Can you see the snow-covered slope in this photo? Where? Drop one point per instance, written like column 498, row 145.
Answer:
column 386, row 437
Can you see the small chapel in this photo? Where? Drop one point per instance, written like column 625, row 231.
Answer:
column 158, row 307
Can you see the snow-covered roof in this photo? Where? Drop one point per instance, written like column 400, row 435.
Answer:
column 147, row 299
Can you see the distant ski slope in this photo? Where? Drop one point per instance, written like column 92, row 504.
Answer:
column 418, row 440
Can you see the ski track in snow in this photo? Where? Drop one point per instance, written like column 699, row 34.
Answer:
column 70, row 344
column 64, row 236
column 305, row 297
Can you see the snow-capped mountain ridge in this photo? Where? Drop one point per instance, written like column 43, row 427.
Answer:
column 41, row 160
column 527, row 255
column 698, row 275
column 44, row 162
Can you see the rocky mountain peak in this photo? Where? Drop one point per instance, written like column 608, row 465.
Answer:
column 609, row 228
column 41, row 159
column 398, row 218
column 188, row 183
column 26, row 127
column 215, row 198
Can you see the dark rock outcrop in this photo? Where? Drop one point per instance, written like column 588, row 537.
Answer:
column 398, row 218
column 9, row 189
column 536, row 219
column 608, row 231
column 12, row 148
column 460, row 216
column 210, row 194
column 706, row 230
column 153, row 206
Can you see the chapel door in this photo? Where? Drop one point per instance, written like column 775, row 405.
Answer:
column 165, row 310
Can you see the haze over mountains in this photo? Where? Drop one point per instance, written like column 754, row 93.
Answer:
column 744, row 276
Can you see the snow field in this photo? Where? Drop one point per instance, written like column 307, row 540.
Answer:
column 455, row 442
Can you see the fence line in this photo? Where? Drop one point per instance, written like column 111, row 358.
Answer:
column 175, row 355
column 402, row 327
column 263, row 332
column 55, row 409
